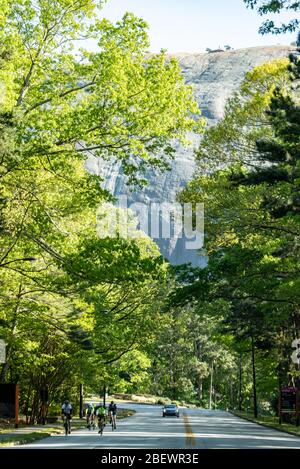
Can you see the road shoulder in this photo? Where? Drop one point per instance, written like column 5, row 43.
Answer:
column 262, row 421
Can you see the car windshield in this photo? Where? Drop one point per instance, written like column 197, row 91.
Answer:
column 172, row 406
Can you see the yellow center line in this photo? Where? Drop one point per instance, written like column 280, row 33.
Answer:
column 190, row 438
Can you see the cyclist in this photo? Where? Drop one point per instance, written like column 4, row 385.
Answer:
column 66, row 411
column 112, row 412
column 100, row 412
column 90, row 415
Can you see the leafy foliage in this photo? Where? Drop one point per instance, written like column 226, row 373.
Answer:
column 250, row 192
column 264, row 7
column 74, row 301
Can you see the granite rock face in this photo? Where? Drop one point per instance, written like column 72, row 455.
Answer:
column 214, row 76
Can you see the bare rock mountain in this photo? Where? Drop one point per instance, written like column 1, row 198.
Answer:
column 214, row 76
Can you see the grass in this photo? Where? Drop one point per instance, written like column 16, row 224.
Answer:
column 38, row 434
column 124, row 413
column 30, row 437
column 149, row 399
column 270, row 421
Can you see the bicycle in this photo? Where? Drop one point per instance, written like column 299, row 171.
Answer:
column 112, row 421
column 101, row 424
column 90, row 422
column 67, row 424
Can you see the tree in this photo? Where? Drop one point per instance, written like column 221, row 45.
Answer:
column 58, row 106
column 252, row 224
column 233, row 138
column 84, row 301
column 264, row 7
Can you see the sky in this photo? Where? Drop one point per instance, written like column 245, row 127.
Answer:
column 193, row 25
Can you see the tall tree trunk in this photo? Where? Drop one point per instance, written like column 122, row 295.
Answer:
column 240, row 382
column 81, row 399
column 26, row 405
column 211, row 385
column 200, row 388
column 34, row 408
column 104, row 395
column 13, row 331
column 198, row 354
column 255, row 412
column 232, row 394
column 4, row 371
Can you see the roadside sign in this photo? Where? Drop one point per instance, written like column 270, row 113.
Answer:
column 2, row 351
column 289, row 403
column 288, row 399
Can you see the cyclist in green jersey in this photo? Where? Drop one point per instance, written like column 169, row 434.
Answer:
column 100, row 412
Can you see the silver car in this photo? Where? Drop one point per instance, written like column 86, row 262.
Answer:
column 170, row 410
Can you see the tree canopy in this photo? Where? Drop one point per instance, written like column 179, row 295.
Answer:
column 73, row 301
column 265, row 7
column 250, row 193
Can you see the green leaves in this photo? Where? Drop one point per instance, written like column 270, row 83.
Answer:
column 265, row 7
column 118, row 101
column 85, row 300
column 250, row 192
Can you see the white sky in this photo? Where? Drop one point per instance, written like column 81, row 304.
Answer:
column 194, row 25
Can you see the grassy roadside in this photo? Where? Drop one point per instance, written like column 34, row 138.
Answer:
column 124, row 413
column 35, row 435
column 30, row 437
column 148, row 399
column 269, row 421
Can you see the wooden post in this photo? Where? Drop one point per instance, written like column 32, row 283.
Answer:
column 17, row 406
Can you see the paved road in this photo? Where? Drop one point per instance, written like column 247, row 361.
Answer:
column 195, row 429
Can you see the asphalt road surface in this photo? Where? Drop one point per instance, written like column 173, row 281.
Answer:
column 195, row 429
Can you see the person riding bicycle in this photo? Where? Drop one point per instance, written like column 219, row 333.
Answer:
column 66, row 412
column 89, row 413
column 112, row 412
column 100, row 412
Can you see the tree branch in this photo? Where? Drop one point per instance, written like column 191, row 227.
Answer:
column 61, row 95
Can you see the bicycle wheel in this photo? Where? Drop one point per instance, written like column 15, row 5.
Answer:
column 66, row 425
column 89, row 424
column 101, row 427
